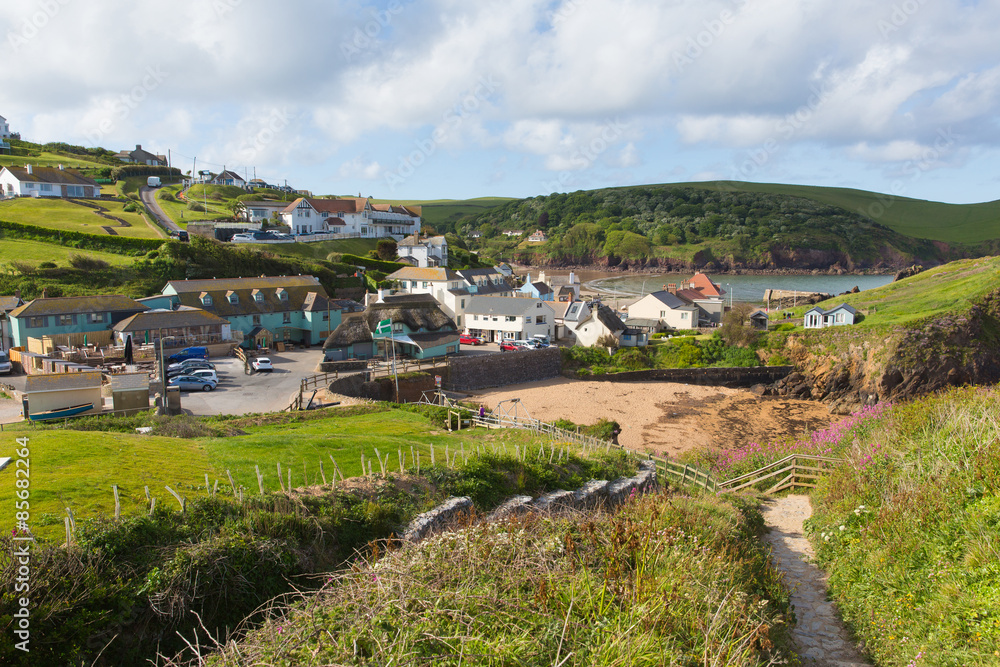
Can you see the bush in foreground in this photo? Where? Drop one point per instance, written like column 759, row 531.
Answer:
column 910, row 532
column 665, row 580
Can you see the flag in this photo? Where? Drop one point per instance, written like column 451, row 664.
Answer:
column 384, row 328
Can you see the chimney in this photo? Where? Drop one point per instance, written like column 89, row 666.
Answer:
column 29, row 169
column 572, row 278
column 138, row 147
column 44, row 291
column 17, row 293
column 672, row 288
column 381, row 296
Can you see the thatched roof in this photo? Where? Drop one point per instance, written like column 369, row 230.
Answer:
column 419, row 312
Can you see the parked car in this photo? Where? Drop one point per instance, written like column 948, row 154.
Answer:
column 525, row 344
column 192, row 383
column 466, row 339
column 189, row 353
column 509, row 346
column 542, row 339
column 190, row 365
column 207, row 373
column 261, row 364
column 5, row 366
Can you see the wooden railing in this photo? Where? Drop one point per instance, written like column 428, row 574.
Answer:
column 540, row 427
column 687, row 474
column 802, row 471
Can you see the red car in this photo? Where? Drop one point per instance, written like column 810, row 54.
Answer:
column 509, row 346
column 466, row 339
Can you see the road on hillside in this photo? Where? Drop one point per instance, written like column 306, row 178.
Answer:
column 148, row 196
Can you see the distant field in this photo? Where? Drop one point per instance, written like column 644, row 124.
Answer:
column 77, row 469
column 49, row 160
column 944, row 289
column 34, row 252
column 60, row 214
column 954, row 223
column 179, row 212
column 321, row 249
column 447, row 212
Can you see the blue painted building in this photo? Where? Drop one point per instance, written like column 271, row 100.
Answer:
column 537, row 290
column 69, row 315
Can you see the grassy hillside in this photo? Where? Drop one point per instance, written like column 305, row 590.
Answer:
column 64, row 215
column 909, row 532
column 49, row 159
column 443, row 214
column 321, row 250
column 918, row 218
column 36, row 252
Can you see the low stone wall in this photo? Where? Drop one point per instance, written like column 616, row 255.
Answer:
column 502, row 368
column 411, row 387
column 591, row 495
column 726, row 377
column 348, row 366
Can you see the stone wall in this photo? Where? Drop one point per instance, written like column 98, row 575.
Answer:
column 411, row 387
column 502, row 368
column 726, row 377
column 348, row 366
column 591, row 495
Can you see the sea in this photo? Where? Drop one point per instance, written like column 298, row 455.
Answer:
column 744, row 288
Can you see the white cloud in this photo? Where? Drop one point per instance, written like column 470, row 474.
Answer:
column 360, row 168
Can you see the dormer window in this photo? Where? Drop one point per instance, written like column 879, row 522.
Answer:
column 206, row 299
column 233, row 298
column 258, row 296
column 282, row 294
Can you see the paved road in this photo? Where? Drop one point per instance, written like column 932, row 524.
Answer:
column 148, row 197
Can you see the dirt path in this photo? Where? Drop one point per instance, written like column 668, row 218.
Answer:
column 820, row 636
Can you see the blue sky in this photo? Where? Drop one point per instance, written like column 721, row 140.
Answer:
column 450, row 99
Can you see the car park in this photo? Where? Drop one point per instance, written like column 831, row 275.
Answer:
column 191, row 383
column 466, row 339
column 261, row 365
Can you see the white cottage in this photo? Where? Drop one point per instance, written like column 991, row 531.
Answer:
column 817, row 318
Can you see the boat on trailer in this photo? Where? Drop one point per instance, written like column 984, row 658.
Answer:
column 60, row 413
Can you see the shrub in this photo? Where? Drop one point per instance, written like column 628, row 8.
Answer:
column 131, row 207
column 47, row 265
column 88, row 263
column 779, row 360
column 196, row 207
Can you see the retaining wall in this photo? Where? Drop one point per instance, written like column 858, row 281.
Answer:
column 726, row 377
column 502, row 368
column 591, row 495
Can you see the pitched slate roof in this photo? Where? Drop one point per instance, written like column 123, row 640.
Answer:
column 842, row 306
column 669, row 300
column 541, row 288
column 49, row 175
column 68, row 305
column 429, row 273
column 502, row 305
column 9, row 303
column 169, row 319
column 263, row 282
column 609, row 319
column 298, row 288
column 348, row 205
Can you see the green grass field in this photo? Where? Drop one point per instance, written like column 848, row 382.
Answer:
column 321, row 250
column 34, row 252
column 50, row 160
column 77, row 469
column 952, row 287
column 437, row 212
column 938, row 221
column 60, row 214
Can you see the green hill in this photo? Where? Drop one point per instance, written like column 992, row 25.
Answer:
column 444, row 214
column 733, row 226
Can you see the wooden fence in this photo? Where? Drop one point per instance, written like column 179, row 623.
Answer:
column 795, row 470
column 541, row 428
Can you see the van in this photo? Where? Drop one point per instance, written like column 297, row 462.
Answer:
column 189, row 353
column 153, row 181
column 5, row 365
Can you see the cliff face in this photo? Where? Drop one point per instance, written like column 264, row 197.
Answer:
column 917, row 359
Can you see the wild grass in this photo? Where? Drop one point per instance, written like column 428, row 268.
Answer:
column 664, row 580
column 909, row 531
column 35, row 252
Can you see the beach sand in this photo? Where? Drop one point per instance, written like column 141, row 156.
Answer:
column 664, row 417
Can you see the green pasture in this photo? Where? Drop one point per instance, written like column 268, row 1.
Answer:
column 47, row 159
column 64, row 215
column 35, row 252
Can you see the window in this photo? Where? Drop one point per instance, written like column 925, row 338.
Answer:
column 397, row 327
column 326, row 316
column 459, row 320
column 283, row 295
column 840, row 317
column 413, row 284
column 256, row 320
column 663, row 313
column 37, row 322
column 206, row 300
column 66, row 320
column 511, row 318
column 97, row 318
column 540, row 319
column 684, row 316
column 426, row 284
column 45, row 187
column 286, row 318
column 463, row 304
column 234, row 299
column 258, row 296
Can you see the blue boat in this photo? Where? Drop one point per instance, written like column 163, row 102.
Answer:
column 61, row 412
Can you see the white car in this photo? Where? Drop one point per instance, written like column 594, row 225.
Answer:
column 261, row 364
column 207, row 373
column 5, row 366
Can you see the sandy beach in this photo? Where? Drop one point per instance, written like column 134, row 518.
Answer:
column 665, row 417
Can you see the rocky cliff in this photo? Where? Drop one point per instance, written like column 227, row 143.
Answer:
column 852, row 368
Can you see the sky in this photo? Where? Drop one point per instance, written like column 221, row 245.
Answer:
column 454, row 99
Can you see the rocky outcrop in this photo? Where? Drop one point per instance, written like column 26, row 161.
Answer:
column 907, row 272
column 946, row 351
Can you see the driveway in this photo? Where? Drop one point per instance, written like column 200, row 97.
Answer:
column 148, row 197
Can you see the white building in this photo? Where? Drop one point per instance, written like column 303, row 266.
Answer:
column 451, row 289
column 602, row 321
column 46, row 182
column 427, row 252
column 4, row 128
column 353, row 216
column 817, row 318
column 671, row 311
column 261, row 211
column 140, row 156
column 499, row 318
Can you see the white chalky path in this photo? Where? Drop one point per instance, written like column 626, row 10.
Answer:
column 819, row 634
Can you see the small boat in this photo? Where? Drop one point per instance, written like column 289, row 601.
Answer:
column 61, row 412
